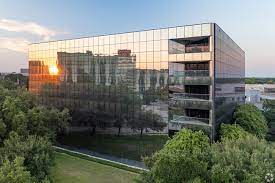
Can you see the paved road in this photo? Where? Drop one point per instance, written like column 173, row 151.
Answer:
column 125, row 161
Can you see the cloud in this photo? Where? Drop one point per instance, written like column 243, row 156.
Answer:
column 27, row 27
column 15, row 44
column 20, row 44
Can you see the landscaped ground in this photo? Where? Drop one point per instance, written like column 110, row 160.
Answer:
column 70, row 169
column 131, row 147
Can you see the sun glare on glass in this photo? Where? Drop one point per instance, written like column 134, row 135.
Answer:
column 53, row 70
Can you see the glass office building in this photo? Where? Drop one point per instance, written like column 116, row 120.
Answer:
column 186, row 76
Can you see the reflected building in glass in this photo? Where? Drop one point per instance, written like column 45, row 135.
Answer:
column 186, row 76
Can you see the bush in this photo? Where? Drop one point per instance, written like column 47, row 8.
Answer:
column 251, row 119
column 183, row 158
column 14, row 172
column 36, row 151
column 232, row 132
column 188, row 157
column 246, row 159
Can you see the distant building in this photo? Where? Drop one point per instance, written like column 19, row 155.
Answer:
column 256, row 93
column 24, row 72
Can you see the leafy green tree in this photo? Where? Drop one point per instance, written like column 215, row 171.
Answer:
column 18, row 79
column 269, row 113
column 47, row 122
column 228, row 131
column 15, row 172
column 144, row 120
column 247, row 159
column 120, row 122
column 250, row 81
column 251, row 119
column 8, row 84
column 184, row 158
column 11, row 106
column 19, row 123
column 37, row 153
column 3, row 130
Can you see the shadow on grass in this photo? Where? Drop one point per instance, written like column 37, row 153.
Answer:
column 131, row 147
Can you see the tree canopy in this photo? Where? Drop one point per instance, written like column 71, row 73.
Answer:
column 189, row 157
column 234, row 131
column 184, row 158
column 269, row 113
column 27, row 131
column 251, row 119
column 246, row 159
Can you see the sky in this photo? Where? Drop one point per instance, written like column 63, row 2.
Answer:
column 250, row 23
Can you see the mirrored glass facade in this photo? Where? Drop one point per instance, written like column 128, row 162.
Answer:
column 181, row 75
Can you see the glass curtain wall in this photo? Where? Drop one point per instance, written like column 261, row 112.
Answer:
column 229, row 76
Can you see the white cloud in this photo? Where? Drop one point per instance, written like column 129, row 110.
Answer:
column 15, row 44
column 20, row 44
column 27, row 27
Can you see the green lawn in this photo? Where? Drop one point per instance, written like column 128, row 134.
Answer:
column 130, row 147
column 70, row 169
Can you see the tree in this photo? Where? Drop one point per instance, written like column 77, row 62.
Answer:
column 228, row 131
column 47, row 122
column 8, row 84
column 19, row 123
column 10, row 107
column 251, row 119
column 19, row 79
column 86, row 118
column 184, row 158
column 146, row 120
column 269, row 113
column 37, row 152
column 3, row 130
column 15, row 172
column 247, row 159
column 120, row 122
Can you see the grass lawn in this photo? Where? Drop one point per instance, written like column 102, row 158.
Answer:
column 131, row 147
column 70, row 169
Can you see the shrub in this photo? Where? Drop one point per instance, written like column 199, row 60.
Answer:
column 228, row 131
column 36, row 151
column 251, row 119
column 246, row 159
column 14, row 172
column 183, row 158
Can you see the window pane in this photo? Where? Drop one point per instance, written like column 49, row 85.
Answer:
column 95, row 40
column 156, row 45
column 130, row 37
column 123, row 38
column 136, row 36
column 180, row 32
column 91, row 41
column 164, row 33
column 206, row 28
column 86, row 42
column 172, row 33
column 117, row 38
column 150, row 35
column 136, row 47
column 150, row 46
column 143, row 36
column 188, row 31
column 112, row 39
column 164, row 45
column 157, row 34
column 101, row 40
column 106, row 40
column 142, row 46
column 197, row 30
